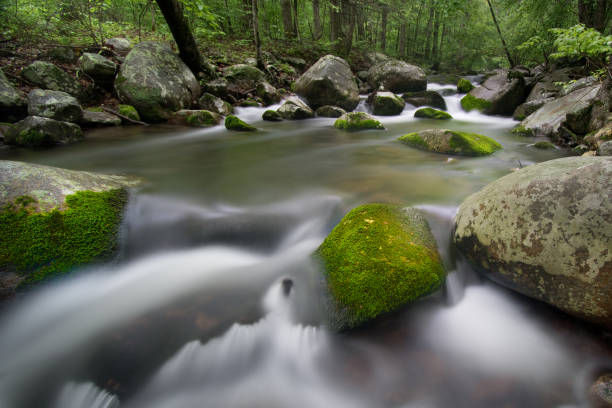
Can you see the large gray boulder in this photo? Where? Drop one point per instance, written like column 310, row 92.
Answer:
column 425, row 98
column 527, row 108
column 13, row 105
column 156, row 82
column 544, row 231
column 99, row 119
column 48, row 76
column 243, row 76
column 101, row 69
column 329, row 81
column 500, row 94
column 397, row 76
column 120, row 45
column 36, row 131
column 215, row 104
column 54, row 105
column 386, row 104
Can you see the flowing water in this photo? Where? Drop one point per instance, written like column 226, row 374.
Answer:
column 197, row 311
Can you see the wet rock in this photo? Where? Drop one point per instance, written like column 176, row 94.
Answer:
column 271, row 116
column 13, row 106
column 195, row 118
column 101, row 69
column 36, row 131
column 539, row 231
column 443, row 79
column 294, row 109
column 397, row 76
column 217, row 87
column 130, row 112
column 451, row 142
column 354, row 121
column 329, row 81
column 215, row 104
column 120, row 45
column 244, row 76
column 98, row 119
column 234, row 123
column 430, row 113
column 377, row 259
column 464, row 86
column 329, row 111
column 48, row 76
column 527, row 108
column 500, row 94
column 267, row 93
column 425, row 98
column 605, row 149
column 54, row 105
column 386, row 104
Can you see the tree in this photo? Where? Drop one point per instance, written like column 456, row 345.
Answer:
column 501, row 37
column 594, row 13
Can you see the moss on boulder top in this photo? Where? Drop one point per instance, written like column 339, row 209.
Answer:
column 386, row 104
column 195, row 118
column 464, row 86
column 234, row 123
column 378, row 258
column 354, row 121
column 451, row 142
column 431, row 113
column 48, row 76
column 470, row 103
column 36, row 131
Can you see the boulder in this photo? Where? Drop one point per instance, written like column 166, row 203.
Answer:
column 267, row 93
column 527, row 108
column 329, row 81
column 374, row 57
column 397, row 76
column 293, row 108
column 377, row 259
column 47, row 76
column 451, row 142
column 217, row 87
column 195, row 118
column 498, row 95
column 296, row 62
column 214, row 104
column 544, row 232
column 244, row 76
column 329, row 111
column 354, row 121
column 431, row 113
column 62, row 54
column 234, row 123
column 120, row 45
column 249, row 103
column 544, row 90
column 425, row 98
column 156, row 82
column 386, row 104
column 271, row 116
column 605, row 149
column 101, row 69
column 464, row 86
column 98, row 119
column 579, row 84
column 130, row 112
column 13, row 105
column 36, row 131
column 53, row 220
column 54, row 105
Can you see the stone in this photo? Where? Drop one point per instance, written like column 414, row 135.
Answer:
column 294, row 109
column 267, row 93
column 251, row 61
column 54, row 105
column 48, row 76
column 397, row 76
column 195, row 118
column 329, row 111
column 156, row 82
column 13, row 106
column 99, row 119
column 354, row 121
column 249, row 103
column 498, row 95
column 271, row 116
column 386, row 103
column 527, row 108
column 543, row 145
column 98, row 67
column 297, row 62
column 464, row 86
column 579, row 84
column 121, row 45
column 62, row 54
column 234, row 123
column 374, row 57
column 431, row 113
column 605, row 149
column 244, row 76
column 36, row 131
column 451, row 142
column 217, row 87
column 377, row 259
column 543, row 231
column 544, row 90
column 329, row 81
column 130, row 112
column 215, row 104
column 425, row 98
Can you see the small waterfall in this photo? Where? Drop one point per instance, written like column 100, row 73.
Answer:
column 85, row 395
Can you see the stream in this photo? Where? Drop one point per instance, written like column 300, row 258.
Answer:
column 193, row 312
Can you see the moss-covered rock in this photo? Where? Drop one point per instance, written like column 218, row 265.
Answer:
column 244, row 76
column 13, row 105
column 100, row 68
column 386, row 104
column 431, row 113
column 378, row 258
column 234, row 123
column 48, row 76
column 53, row 220
column 215, row 104
column 329, row 111
column 470, row 103
column 425, row 98
column 521, row 130
column 451, row 142
column 294, row 109
column 354, row 121
column 271, row 116
column 36, row 131
column 129, row 111
column 267, row 93
column 249, row 103
column 121, row 45
column 543, row 145
column 500, row 94
column 54, row 105
column 464, row 85
column 98, row 119
column 195, row 118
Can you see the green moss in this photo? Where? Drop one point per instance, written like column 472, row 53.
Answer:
column 286, row 68
column 431, row 113
column 234, row 123
column 451, row 142
column 129, row 111
column 464, row 86
column 414, row 139
column 357, row 121
column 378, row 258
column 33, row 138
column 249, row 103
column 202, row 118
column 469, row 103
column 51, row 243
column 520, row 116
column 521, row 130
column 544, row 145
column 272, row 116
column 473, row 144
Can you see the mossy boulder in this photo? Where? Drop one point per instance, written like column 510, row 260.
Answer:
column 605, row 149
column 329, row 81
column 245, row 74
column 36, row 131
column 267, row 93
column 521, row 130
column 249, row 103
column 464, row 86
column 120, row 45
column 54, row 105
column 218, row 87
column 156, row 82
column 386, row 104
column 62, row 54
column 271, row 116
column 48, row 76
column 100, row 68
column 329, row 111
column 215, row 104
column 99, row 119
column 500, row 94
column 294, row 109
column 13, row 105
column 195, row 118
column 354, row 121
column 53, row 220
column 397, row 76
column 128, row 111
column 377, row 259
column 425, row 98
column 451, row 142
column 234, row 123
column 544, row 231
column 431, row 113
column 470, row 103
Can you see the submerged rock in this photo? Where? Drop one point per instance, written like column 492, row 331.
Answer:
column 36, row 131
column 54, row 105
column 377, row 259
column 271, row 116
column 397, row 76
column 95, row 119
column 500, row 94
column 386, row 104
column 544, row 232
column 267, row 93
column 215, row 104
column 329, row 111
column 48, row 76
column 234, row 123
column 425, row 98
column 451, row 142
column 354, row 121
column 195, row 118
column 13, row 105
column 430, row 113
column 294, row 109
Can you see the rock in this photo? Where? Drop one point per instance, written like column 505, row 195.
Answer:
column 579, row 84
column 101, row 69
column 520, row 130
column 299, row 63
column 377, row 259
column 354, row 121
column 13, row 105
column 249, row 103
column 605, row 149
column 214, row 104
column 425, row 98
column 544, row 90
column 543, row 145
column 251, row 61
column 243, row 76
column 430, row 113
column 329, row 81
column 267, row 93
column 329, row 111
column 54, row 105
column 464, row 86
column 447, row 92
column 62, row 54
column 97, row 119
column 120, row 45
column 544, row 232
column 386, row 104
column 581, row 150
column 4, row 129
column 397, row 76
column 156, row 82
column 195, row 118
column 272, row 116
column 527, row 108
column 47, row 76
column 451, row 142
column 373, row 57
column 559, row 119
column 130, row 112
column 600, row 393
column 498, row 95
column 36, row 131
column 234, row 123
column 54, row 220
column 294, row 109
column 217, row 87
column 362, row 76
column 590, row 153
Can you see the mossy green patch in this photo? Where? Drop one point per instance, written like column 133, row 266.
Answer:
column 473, row 144
column 431, row 113
column 354, row 121
column 378, row 258
column 451, row 142
column 272, row 116
column 521, row 130
column 544, row 145
column 464, row 86
column 43, row 244
column 202, row 118
column 234, row 123
column 469, row 103
column 129, row 111
column 414, row 139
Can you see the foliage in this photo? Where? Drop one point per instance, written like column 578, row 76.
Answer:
column 579, row 42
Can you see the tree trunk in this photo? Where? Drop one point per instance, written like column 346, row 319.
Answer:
column 316, row 19
column 594, row 13
column 254, row 13
column 427, row 50
column 296, row 28
column 349, row 11
column 434, row 48
column 510, row 60
column 416, row 30
column 287, row 20
column 228, row 20
column 334, row 21
column 383, row 29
